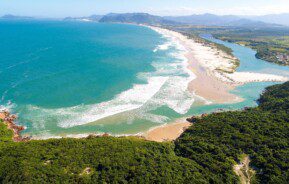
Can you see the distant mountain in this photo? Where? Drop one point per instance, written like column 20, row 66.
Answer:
column 138, row 18
column 250, row 23
column 215, row 20
column 90, row 18
column 204, row 19
column 282, row 19
column 9, row 16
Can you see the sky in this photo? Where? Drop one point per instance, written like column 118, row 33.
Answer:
column 64, row 8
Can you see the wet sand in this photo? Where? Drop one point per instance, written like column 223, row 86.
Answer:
column 214, row 70
column 208, row 86
column 167, row 132
column 205, row 85
column 210, row 83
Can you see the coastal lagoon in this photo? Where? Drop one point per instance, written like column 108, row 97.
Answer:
column 75, row 78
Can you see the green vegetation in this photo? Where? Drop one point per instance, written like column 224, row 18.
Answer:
column 205, row 153
column 217, row 46
column 5, row 134
column 195, row 36
column 221, row 47
column 218, row 140
column 271, row 44
column 108, row 159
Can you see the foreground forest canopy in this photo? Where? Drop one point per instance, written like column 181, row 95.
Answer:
column 205, row 153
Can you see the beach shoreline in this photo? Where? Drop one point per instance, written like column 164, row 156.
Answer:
column 214, row 69
column 162, row 133
column 214, row 90
column 167, row 132
column 213, row 81
column 215, row 77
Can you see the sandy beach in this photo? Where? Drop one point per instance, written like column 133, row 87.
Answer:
column 215, row 78
column 168, row 132
column 206, row 84
column 214, row 70
column 210, row 87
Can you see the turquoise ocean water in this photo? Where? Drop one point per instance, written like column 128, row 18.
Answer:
column 66, row 78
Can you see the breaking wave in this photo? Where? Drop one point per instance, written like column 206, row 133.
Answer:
column 166, row 86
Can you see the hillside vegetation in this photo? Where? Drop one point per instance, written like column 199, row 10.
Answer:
column 5, row 134
column 205, row 153
column 263, row 133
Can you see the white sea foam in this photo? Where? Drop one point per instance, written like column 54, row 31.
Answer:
column 174, row 92
column 8, row 106
column 166, row 86
column 152, row 117
column 127, row 100
column 164, row 46
column 47, row 135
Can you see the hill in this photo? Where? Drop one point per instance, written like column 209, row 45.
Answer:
column 205, row 153
column 272, row 18
column 90, row 18
column 262, row 133
column 9, row 16
column 216, row 20
column 138, row 18
column 204, row 19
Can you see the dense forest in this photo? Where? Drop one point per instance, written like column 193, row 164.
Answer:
column 217, row 141
column 205, row 153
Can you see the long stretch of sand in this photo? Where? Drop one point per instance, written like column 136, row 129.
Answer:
column 215, row 77
column 215, row 70
column 206, row 84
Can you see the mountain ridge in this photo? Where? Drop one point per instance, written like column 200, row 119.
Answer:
column 207, row 19
column 138, row 18
column 272, row 18
column 202, row 19
column 219, row 20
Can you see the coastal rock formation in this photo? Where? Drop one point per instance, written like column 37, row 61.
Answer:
column 9, row 120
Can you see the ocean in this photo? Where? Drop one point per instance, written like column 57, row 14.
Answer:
column 75, row 78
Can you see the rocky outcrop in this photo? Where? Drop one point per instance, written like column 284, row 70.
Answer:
column 9, row 120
